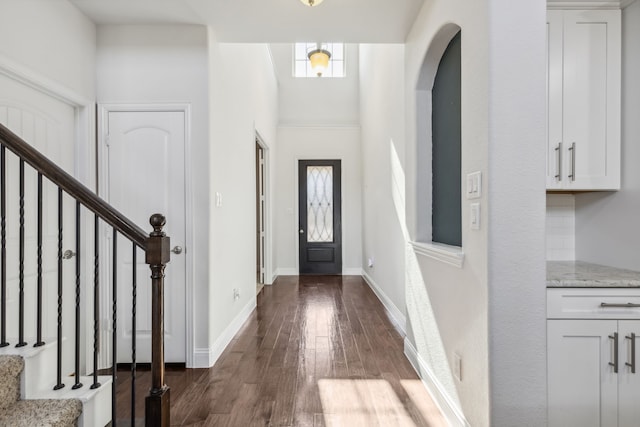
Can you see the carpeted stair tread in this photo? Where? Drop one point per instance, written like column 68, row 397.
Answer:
column 42, row 413
column 10, row 368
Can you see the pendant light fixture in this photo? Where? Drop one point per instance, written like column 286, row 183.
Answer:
column 311, row 3
column 319, row 59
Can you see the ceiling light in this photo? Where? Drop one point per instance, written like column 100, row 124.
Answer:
column 319, row 59
column 311, row 2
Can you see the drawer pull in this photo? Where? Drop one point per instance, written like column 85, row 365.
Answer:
column 613, row 305
column 632, row 365
column 614, row 337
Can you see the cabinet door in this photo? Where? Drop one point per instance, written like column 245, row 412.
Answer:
column 591, row 109
column 554, row 100
column 629, row 382
column 583, row 388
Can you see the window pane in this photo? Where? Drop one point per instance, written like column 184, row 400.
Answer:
column 319, row 204
column 302, row 66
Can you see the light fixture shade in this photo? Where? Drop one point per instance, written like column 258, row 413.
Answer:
column 311, row 2
column 319, row 59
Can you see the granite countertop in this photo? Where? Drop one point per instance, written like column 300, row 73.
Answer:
column 578, row 274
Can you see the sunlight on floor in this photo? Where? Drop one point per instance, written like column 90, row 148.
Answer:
column 374, row 403
column 422, row 399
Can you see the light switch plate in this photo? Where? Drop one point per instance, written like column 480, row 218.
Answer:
column 474, row 185
column 474, row 215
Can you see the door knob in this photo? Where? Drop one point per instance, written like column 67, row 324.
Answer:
column 177, row 250
column 68, row 254
column 301, row 231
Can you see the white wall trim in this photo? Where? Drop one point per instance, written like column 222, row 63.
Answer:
column 586, row 5
column 451, row 255
column 320, row 126
column 400, row 319
column 447, row 407
column 206, row 358
column 26, row 76
column 285, row 272
column 104, row 110
column 351, row 271
column 268, row 217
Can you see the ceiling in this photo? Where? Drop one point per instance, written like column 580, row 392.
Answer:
column 271, row 21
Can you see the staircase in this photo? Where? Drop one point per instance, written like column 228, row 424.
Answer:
column 28, row 398
column 35, row 386
column 17, row 411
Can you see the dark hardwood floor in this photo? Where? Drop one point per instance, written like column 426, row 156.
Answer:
column 317, row 351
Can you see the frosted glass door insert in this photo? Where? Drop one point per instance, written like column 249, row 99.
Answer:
column 320, row 203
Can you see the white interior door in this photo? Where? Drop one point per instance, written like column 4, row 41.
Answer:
column 49, row 125
column 146, row 175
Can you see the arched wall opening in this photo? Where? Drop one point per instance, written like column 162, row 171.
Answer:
column 424, row 131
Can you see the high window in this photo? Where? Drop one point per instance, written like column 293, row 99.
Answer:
column 446, row 150
column 302, row 65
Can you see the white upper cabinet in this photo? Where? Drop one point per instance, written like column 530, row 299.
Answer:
column 583, row 85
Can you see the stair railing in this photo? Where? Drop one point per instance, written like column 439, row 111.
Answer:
column 157, row 254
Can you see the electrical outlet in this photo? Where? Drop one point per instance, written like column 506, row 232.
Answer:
column 218, row 199
column 370, row 263
column 457, row 366
column 236, row 293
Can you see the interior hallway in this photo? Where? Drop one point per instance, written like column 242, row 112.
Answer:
column 317, row 351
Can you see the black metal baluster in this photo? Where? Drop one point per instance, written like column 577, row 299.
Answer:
column 3, row 248
column 59, row 383
column 77, row 384
column 96, row 300
column 21, row 342
column 133, row 336
column 114, row 355
column 39, row 341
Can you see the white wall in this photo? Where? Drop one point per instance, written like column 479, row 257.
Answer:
column 52, row 39
column 484, row 309
column 299, row 143
column 167, row 64
column 516, row 210
column 317, row 101
column 382, row 118
column 243, row 100
column 607, row 230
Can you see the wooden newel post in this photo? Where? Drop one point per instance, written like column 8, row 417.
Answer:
column 157, row 256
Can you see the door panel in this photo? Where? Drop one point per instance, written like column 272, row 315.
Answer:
column 583, row 390
column 145, row 176
column 47, row 124
column 320, row 228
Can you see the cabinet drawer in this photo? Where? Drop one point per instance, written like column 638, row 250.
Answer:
column 585, row 303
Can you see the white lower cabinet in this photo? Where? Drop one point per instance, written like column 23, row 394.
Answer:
column 593, row 377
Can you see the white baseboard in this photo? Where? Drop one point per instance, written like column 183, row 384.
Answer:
column 400, row 318
column 351, row 271
column 206, row 358
column 286, row 272
column 449, row 409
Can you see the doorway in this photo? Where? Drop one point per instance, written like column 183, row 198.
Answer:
column 143, row 172
column 320, row 216
column 260, row 216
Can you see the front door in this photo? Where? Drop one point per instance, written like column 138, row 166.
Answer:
column 319, row 211
column 146, row 174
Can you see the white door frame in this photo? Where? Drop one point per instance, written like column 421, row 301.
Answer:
column 103, row 112
column 268, row 236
